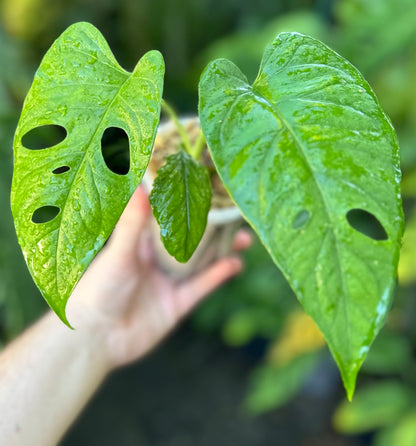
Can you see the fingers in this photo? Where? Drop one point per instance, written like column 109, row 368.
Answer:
column 194, row 290
column 242, row 240
column 127, row 233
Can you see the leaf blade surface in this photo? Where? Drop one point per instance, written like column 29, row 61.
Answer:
column 80, row 86
column 181, row 199
column 300, row 148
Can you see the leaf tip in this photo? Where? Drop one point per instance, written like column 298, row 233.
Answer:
column 157, row 55
column 61, row 313
column 349, row 379
column 154, row 61
column 82, row 25
column 222, row 68
column 350, row 392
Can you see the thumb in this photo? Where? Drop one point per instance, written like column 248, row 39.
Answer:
column 128, row 230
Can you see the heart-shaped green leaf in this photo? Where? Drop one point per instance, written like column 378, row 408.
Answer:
column 304, row 151
column 181, row 198
column 67, row 188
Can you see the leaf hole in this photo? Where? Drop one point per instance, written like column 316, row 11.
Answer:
column 45, row 214
column 115, row 148
column 61, row 169
column 366, row 223
column 301, row 219
column 43, row 137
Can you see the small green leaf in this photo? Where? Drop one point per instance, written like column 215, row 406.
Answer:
column 181, row 199
column 80, row 88
column 374, row 407
column 298, row 150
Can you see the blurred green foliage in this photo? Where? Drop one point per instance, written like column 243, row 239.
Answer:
column 251, row 312
column 254, row 306
column 273, row 386
column 369, row 410
column 20, row 300
column 386, row 403
column 402, row 433
column 245, row 47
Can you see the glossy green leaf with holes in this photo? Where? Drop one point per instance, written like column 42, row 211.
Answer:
column 181, row 199
column 79, row 86
column 298, row 150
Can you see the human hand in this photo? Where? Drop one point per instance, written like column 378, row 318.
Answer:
column 124, row 296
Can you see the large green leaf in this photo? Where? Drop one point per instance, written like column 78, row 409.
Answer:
column 81, row 87
column 181, row 198
column 300, row 148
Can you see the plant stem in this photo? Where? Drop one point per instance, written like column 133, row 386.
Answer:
column 172, row 115
column 199, row 145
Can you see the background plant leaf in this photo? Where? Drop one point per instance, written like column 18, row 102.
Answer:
column 400, row 433
column 81, row 87
column 181, row 199
column 298, row 150
column 271, row 386
column 390, row 354
column 376, row 406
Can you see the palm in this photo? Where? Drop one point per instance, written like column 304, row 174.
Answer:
column 130, row 298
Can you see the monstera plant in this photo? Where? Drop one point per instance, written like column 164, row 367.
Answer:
column 306, row 153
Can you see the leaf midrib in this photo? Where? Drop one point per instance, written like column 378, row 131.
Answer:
column 82, row 162
column 187, row 206
column 276, row 112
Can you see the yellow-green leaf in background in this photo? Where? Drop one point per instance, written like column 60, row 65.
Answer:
column 300, row 335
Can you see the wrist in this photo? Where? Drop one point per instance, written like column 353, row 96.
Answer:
column 88, row 336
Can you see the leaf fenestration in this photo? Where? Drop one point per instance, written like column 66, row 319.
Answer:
column 80, row 86
column 44, row 136
column 309, row 134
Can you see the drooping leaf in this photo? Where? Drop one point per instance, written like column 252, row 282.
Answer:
column 298, row 150
column 181, row 199
column 80, row 88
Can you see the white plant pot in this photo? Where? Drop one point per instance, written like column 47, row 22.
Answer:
column 215, row 243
